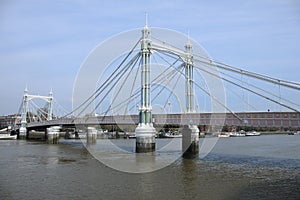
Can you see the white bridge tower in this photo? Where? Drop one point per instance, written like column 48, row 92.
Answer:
column 26, row 99
column 145, row 132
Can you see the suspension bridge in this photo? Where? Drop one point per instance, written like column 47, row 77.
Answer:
column 169, row 80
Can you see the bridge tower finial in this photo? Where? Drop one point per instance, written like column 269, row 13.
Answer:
column 26, row 90
column 51, row 92
column 146, row 19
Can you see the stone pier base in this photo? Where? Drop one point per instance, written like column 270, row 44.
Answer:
column 91, row 135
column 53, row 134
column 145, row 138
column 190, row 141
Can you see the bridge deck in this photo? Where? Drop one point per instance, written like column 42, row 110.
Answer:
column 257, row 119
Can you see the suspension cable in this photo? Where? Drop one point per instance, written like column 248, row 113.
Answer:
column 107, row 80
column 132, row 87
column 108, row 83
column 263, row 90
column 254, row 92
column 123, row 83
column 289, row 84
column 212, row 96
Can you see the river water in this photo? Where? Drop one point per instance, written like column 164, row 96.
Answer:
column 264, row 167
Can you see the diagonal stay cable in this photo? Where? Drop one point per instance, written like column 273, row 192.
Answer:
column 241, row 98
column 107, row 80
column 122, row 84
column 171, row 92
column 110, row 82
column 252, row 91
column 263, row 90
column 219, row 64
column 137, row 92
column 242, row 73
column 167, row 78
column 289, row 84
column 212, row 96
column 132, row 87
column 171, row 65
column 60, row 107
column 116, row 80
column 239, row 70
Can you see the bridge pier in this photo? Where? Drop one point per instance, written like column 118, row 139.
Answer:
column 22, row 133
column 53, row 134
column 91, row 135
column 190, row 141
column 145, row 138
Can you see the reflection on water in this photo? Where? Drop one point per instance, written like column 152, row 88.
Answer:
column 265, row 167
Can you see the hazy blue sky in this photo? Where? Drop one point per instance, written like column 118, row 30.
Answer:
column 43, row 43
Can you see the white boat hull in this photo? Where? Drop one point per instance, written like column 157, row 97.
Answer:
column 7, row 137
column 223, row 135
column 254, row 133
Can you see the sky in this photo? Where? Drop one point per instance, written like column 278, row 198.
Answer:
column 44, row 43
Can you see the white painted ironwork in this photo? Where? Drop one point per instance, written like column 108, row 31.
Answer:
column 26, row 99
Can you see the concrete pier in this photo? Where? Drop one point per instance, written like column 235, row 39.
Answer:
column 190, row 141
column 53, row 134
column 145, row 138
column 22, row 133
column 91, row 135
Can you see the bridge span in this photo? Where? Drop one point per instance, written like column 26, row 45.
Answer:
column 152, row 69
column 255, row 119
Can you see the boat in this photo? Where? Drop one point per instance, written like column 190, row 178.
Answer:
column 297, row 133
column 237, row 134
column 7, row 137
column 72, row 135
column 294, row 133
column 130, row 135
column 224, row 135
column 253, row 133
column 170, row 134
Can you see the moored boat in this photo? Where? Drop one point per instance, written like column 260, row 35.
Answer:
column 224, row 135
column 294, row 133
column 253, row 133
column 169, row 134
column 7, row 137
column 297, row 133
column 237, row 134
